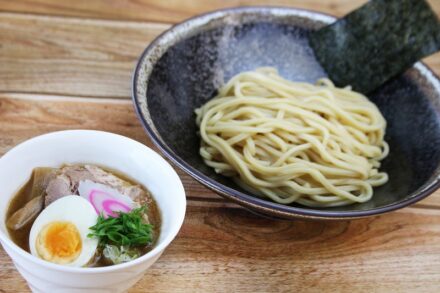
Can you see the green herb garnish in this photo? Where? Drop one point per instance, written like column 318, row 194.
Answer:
column 129, row 229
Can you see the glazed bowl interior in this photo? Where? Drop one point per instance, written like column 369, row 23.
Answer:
column 185, row 66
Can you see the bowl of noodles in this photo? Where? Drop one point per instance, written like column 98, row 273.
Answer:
column 237, row 100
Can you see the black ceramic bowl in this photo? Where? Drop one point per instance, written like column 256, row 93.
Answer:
column 183, row 67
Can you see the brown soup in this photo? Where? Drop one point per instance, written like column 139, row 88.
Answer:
column 36, row 192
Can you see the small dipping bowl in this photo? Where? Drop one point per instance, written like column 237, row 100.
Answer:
column 104, row 149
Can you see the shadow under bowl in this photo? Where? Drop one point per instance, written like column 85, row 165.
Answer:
column 183, row 68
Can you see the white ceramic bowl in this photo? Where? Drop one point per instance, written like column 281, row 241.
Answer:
column 110, row 150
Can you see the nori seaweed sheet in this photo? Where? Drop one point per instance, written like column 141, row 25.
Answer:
column 376, row 42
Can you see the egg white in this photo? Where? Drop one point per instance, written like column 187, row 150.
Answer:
column 73, row 209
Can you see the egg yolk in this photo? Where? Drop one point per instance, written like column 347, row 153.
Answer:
column 59, row 242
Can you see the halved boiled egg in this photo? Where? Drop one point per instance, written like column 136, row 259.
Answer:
column 59, row 234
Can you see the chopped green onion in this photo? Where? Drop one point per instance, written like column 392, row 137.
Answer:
column 129, row 229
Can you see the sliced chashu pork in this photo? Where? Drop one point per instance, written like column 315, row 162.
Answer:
column 69, row 177
column 135, row 192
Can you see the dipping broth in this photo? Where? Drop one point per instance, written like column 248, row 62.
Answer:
column 66, row 241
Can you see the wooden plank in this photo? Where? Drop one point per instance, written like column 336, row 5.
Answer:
column 70, row 56
column 23, row 116
column 219, row 250
column 77, row 57
column 167, row 11
column 433, row 62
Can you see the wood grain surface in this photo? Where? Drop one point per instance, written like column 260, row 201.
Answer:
column 81, row 57
column 169, row 11
column 68, row 65
column 231, row 250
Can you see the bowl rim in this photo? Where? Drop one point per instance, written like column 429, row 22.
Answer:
column 244, row 199
column 156, row 251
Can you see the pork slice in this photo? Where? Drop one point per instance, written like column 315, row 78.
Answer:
column 135, row 192
column 26, row 214
column 68, row 178
column 57, row 188
column 76, row 174
column 106, row 178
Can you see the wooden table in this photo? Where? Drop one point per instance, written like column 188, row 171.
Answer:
column 68, row 65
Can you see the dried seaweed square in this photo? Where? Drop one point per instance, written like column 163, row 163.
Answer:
column 376, row 42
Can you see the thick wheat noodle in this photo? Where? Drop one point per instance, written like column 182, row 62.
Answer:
column 317, row 145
